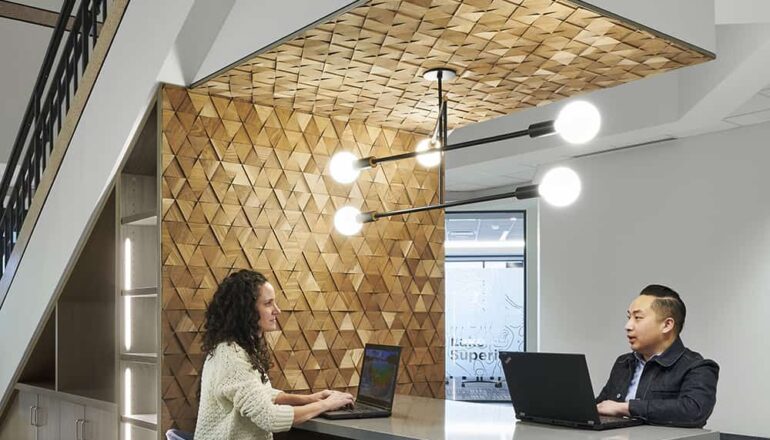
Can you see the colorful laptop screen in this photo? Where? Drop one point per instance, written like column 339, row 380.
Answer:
column 380, row 370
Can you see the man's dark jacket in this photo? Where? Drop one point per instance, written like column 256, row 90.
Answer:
column 677, row 388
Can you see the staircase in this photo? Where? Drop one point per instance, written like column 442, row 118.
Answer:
column 64, row 73
column 92, row 92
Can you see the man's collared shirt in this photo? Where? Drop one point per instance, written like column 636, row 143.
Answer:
column 640, row 363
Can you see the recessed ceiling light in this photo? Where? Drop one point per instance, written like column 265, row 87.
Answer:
column 484, row 244
column 462, row 233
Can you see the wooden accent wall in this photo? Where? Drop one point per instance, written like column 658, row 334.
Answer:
column 248, row 186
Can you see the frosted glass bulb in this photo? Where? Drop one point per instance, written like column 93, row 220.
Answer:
column 578, row 122
column 346, row 221
column 343, row 167
column 428, row 160
column 560, row 186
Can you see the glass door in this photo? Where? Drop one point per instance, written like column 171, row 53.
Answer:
column 485, row 301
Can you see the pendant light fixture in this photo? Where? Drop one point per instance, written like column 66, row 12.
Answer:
column 559, row 187
column 577, row 123
column 439, row 137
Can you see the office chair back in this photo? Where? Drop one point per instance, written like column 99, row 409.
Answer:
column 175, row 434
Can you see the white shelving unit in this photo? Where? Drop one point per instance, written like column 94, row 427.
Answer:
column 68, row 386
column 138, row 244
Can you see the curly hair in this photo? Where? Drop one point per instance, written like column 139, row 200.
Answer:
column 232, row 317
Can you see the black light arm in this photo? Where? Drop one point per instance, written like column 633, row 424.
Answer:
column 521, row 193
column 437, row 130
column 538, row 130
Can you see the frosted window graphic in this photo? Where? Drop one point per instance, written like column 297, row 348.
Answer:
column 484, row 315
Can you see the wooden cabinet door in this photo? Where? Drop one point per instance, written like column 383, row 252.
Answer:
column 100, row 424
column 19, row 423
column 72, row 417
column 48, row 418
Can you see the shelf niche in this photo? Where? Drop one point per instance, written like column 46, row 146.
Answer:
column 85, row 316
column 40, row 369
column 80, row 331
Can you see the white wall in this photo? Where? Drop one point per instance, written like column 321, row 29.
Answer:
column 51, row 5
column 200, row 30
column 25, row 44
column 688, row 20
column 693, row 214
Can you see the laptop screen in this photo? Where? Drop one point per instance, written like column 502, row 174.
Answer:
column 552, row 386
column 378, row 375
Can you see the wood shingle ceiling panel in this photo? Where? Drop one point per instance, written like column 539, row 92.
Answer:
column 367, row 64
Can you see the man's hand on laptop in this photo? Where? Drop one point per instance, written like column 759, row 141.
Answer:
column 612, row 408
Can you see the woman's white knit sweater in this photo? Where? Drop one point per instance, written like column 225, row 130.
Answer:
column 234, row 403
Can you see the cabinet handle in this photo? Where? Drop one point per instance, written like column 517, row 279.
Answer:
column 79, row 429
column 35, row 415
column 32, row 417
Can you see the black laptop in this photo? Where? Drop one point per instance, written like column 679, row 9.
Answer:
column 377, row 387
column 555, row 389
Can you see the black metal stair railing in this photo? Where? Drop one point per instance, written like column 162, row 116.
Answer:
column 45, row 113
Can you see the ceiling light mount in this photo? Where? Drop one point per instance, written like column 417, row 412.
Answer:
column 439, row 73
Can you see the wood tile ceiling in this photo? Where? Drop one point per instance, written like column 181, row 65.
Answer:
column 367, row 63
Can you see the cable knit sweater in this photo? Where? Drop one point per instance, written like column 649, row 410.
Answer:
column 234, row 403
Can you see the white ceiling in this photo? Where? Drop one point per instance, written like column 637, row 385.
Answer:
column 497, row 233
column 477, row 227
column 754, row 111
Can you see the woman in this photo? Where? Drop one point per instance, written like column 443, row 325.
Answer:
column 236, row 398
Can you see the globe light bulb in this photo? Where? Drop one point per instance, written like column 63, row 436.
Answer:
column 560, row 186
column 347, row 222
column 428, row 160
column 578, row 122
column 343, row 167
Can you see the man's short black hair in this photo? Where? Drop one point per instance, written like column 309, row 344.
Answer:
column 667, row 304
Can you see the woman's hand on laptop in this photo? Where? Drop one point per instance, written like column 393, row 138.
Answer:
column 337, row 399
column 321, row 395
column 612, row 408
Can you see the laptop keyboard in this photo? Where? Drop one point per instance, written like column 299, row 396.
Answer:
column 611, row 419
column 360, row 408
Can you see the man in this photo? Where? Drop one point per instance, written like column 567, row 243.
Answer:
column 660, row 381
